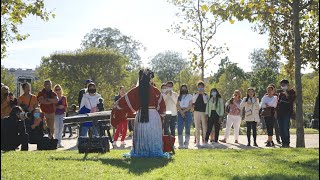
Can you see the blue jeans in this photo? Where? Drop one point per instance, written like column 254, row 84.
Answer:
column 170, row 122
column 284, row 122
column 84, row 130
column 184, row 123
column 58, row 127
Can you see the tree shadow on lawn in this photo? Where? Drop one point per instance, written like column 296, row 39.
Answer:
column 136, row 166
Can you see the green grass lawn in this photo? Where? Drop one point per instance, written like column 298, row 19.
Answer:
column 293, row 163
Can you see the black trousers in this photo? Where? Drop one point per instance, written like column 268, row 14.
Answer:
column 253, row 126
column 130, row 125
column 270, row 123
column 213, row 120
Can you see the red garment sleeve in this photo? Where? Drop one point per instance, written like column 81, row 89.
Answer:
column 125, row 106
column 161, row 106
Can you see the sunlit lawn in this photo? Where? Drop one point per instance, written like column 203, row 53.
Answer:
column 293, row 163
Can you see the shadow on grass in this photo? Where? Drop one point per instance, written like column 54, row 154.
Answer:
column 136, row 166
column 272, row 176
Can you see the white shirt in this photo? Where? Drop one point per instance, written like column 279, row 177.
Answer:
column 171, row 102
column 185, row 100
column 271, row 101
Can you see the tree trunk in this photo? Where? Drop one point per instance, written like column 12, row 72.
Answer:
column 297, row 41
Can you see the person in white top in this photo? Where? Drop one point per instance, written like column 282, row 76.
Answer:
column 89, row 103
column 184, row 106
column 251, row 113
column 171, row 99
column 268, row 104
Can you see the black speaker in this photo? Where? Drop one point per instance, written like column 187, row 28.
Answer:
column 93, row 145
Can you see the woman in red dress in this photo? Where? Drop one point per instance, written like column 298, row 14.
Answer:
column 147, row 102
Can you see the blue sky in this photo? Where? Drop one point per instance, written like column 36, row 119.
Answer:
column 144, row 20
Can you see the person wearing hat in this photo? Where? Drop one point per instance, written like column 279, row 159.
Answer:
column 285, row 111
column 83, row 91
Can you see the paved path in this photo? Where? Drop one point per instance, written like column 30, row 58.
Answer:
column 312, row 141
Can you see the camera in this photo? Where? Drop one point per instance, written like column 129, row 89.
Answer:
column 25, row 115
column 14, row 130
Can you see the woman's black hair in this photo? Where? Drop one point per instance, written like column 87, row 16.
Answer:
column 250, row 88
column 180, row 95
column 144, row 93
column 217, row 96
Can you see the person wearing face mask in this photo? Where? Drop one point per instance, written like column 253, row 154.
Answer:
column 47, row 99
column 251, row 109
column 269, row 103
column 89, row 105
column 171, row 99
column 37, row 126
column 285, row 111
column 214, row 113
column 233, row 117
column 184, row 106
column 275, row 125
column 200, row 100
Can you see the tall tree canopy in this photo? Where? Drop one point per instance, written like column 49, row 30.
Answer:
column 167, row 65
column 289, row 25
column 7, row 79
column 70, row 69
column 112, row 38
column 198, row 26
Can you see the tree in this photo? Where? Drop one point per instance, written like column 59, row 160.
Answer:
column 230, row 77
column 7, row 79
column 285, row 22
column 167, row 65
column 13, row 12
column 310, row 84
column 69, row 69
column 226, row 65
column 261, row 79
column 260, row 59
column 112, row 38
column 198, row 26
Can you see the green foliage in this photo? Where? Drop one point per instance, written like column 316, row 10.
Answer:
column 310, row 84
column 275, row 163
column 260, row 59
column 112, row 38
column 7, row 79
column 70, row 69
column 13, row 12
column 261, row 79
column 198, row 25
column 167, row 65
column 189, row 77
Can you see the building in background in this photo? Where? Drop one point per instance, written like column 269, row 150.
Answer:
column 21, row 76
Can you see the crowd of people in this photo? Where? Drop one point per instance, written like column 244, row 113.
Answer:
column 161, row 108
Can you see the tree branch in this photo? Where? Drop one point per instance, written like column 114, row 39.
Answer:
column 191, row 41
column 306, row 5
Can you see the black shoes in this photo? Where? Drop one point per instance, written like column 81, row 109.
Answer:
column 255, row 144
column 270, row 144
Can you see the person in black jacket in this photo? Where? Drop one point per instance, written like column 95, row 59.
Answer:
column 83, row 91
column 285, row 111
